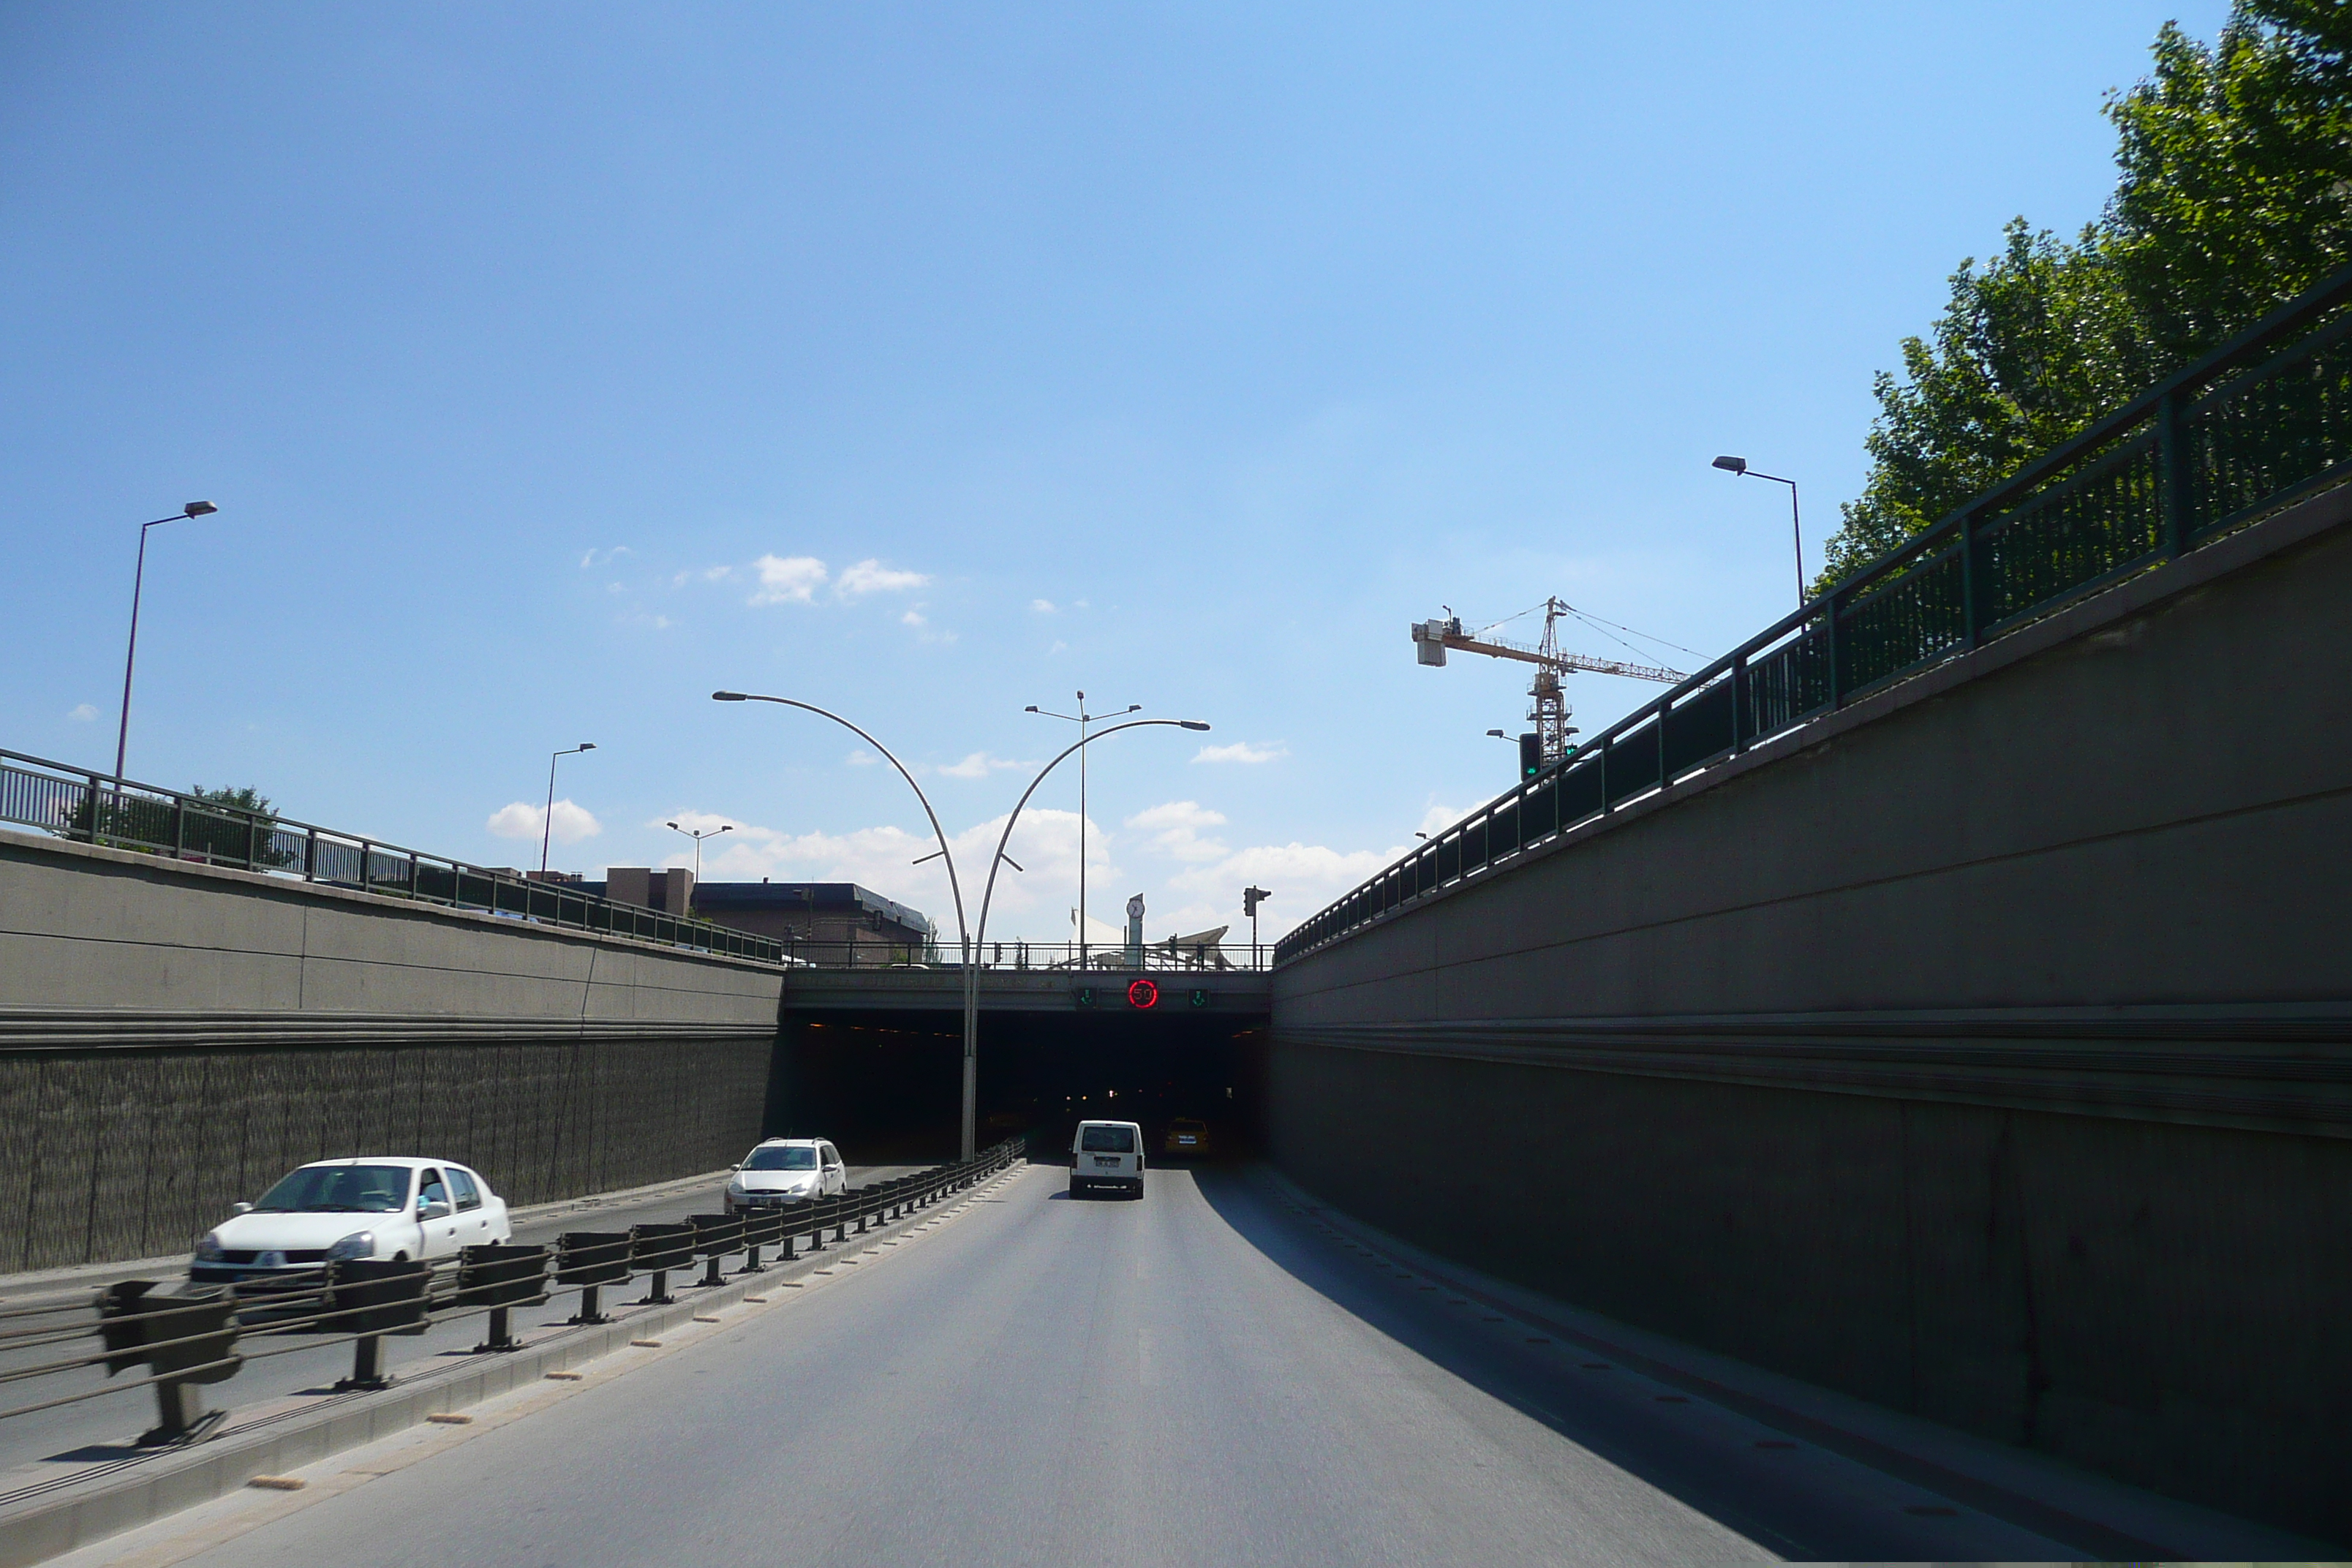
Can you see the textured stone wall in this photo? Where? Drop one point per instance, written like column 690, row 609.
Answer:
column 175, row 1037
column 134, row 1154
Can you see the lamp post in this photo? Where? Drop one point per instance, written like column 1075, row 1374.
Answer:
column 547, row 821
column 955, row 890
column 1796, row 529
column 1081, row 719
column 130, row 657
column 698, row 834
column 970, row 973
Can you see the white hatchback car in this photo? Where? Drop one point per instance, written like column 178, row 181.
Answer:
column 380, row 1206
column 1106, row 1154
column 784, row 1170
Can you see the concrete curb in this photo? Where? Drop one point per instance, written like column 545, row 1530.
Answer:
column 81, row 1513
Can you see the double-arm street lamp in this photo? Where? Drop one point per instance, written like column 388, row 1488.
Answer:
column 698, row 834
column 966, row 938
column 547, row 821
column 130, row 659
column 1796, row 529
column 1081, row 719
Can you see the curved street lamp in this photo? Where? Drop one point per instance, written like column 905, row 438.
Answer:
column 130, row 657
column 955, row 889
column 966, row 938
column 970, row 973
column 547, row 821
column 1796, row 530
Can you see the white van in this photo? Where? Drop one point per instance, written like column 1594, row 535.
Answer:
column 1106, row 1154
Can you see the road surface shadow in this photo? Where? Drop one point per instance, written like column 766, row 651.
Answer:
column 1559, row 1384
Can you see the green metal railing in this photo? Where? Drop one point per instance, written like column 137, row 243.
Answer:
column 96, row 808
column 2256, row 426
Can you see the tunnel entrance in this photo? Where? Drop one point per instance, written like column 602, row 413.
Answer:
column 887, row 1087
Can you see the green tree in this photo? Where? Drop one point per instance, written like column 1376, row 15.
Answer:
column 243, row 819
column 2234, row 196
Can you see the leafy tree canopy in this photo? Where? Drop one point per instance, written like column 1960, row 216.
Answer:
column 2234, row 196
column 244, row 797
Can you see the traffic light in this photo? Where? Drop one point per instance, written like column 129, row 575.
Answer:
column 1252, row 898
column 1530, row 755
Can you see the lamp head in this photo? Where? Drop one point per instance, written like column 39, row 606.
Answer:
column 1190, row 724
column 1732, row 465
column 1135, row 707
column 676, row 828
column 727, row 696
column 198, row 508
column 587, row 745
column 1498, row 734
column 1031, row 709
column 725, row 827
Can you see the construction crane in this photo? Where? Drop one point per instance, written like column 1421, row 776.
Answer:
column 1549, row 709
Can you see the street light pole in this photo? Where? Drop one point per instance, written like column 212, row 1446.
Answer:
column 547, row 820
column 1796, row 528
column 699, row 835
column 130, row 657
column 955, row 890
column 970, row 972
column 1082, row 719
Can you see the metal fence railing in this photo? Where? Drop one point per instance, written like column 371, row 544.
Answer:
column 184, row 1336
column 853, row 951
column 2260, row 424
column 97, row 808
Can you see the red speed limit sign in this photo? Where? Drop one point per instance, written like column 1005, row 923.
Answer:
column 1143, row 994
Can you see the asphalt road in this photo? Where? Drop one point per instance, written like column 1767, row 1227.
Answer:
column 102, row 1423
column 1203, row 1376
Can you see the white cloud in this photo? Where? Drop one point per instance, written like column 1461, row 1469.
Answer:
column 521, row 819
column 1241, row 752
column 979, row 764
column 1043, row 607
column 82, row 713
column 1303, row 876
column 859, row 757
column 870, row 576
column 1176, row 827
column 914, row 617
column 787, row 579
column 1438, row 818
column 595, row 558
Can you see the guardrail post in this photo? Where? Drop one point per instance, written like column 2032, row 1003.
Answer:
column 1971, row 583
column 130, row 1320
column 1830, row 643
column 2172, row 477
column 1743, row 709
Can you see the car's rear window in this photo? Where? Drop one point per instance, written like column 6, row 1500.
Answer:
column 781, row 1160
column 1108, row 1140
column 339, row 1189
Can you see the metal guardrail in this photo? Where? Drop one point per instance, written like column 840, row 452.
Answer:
column 196, row 1335
column 2260, row 423
column 97, row 808
column 852, row 953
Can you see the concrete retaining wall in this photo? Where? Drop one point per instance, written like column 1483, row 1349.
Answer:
column 1985, row 1051
column 173, row 1038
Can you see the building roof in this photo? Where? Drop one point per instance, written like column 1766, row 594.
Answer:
column 821, row 898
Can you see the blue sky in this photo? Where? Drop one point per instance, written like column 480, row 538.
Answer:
column 554, row 365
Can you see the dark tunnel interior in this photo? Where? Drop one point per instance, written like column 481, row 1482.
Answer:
column 886, row 1088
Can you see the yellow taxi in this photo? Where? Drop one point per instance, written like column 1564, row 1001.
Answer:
column 1186, row 1136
